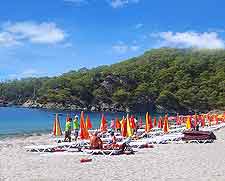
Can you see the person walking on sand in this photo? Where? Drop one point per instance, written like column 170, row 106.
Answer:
column 68, row 129
column 76, row 127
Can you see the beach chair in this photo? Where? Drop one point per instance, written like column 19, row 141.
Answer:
column 41, row 148
column 64, row 146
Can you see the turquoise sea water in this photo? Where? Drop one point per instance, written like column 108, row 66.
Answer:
column 20, row 121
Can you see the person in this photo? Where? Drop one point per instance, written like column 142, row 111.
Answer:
column 197, row 127
column 96, row 142
column 76, row 127
column 68, row 130
column 113, row 138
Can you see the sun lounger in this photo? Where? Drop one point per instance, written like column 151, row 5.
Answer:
column 64, row 146
column 41, row 148
column 103, row 151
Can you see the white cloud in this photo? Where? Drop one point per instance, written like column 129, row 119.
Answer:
column 138, row 26
column 205, row 40
column 29, row 73
column 43, row 33
column 122, row 48
column 37, row 33
column 26, row 73
column 7, row 40
column 134, row 47
column 121, row 3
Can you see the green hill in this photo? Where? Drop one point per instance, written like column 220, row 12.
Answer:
column 161, row 79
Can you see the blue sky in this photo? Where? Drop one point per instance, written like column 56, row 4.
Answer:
column 50, row 37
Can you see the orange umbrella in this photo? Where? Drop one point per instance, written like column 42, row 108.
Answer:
column 209, row 119
column 124, row 127
column 56, row 127
column 83, row 129
column 155, row 123
column 202, row 121
column 103, row 126
column 88, row 122
column 147, row 128
column 166, row 125
column 118, row 125
column 216, row 119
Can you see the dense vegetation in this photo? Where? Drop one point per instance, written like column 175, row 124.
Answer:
column 170, row 79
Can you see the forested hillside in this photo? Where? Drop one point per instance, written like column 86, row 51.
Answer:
column 162, row 79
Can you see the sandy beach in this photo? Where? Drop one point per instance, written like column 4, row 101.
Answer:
column 164, row 162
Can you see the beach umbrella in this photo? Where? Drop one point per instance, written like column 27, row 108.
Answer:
column 155, row 123
column 103, row 126
column 140, row 122
column 56, row 127
column 216, row 118
column 88, row 122
column 150, row 122
column 166, row 124
column 188, row 122
column 124, row 127
column 83, row 129
column 147, row 127
column 208, row 119
column 129, row 129
column 202, row 121
column 160, row 124
column 118, row 125
column 132, row 122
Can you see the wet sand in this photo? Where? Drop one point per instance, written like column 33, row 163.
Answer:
column 163, row 162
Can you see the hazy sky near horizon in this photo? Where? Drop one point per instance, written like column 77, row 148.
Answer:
column 50, row 37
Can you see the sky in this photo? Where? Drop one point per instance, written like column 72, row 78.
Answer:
column 51, row 37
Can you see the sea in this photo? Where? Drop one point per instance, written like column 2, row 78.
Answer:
column 17, row 121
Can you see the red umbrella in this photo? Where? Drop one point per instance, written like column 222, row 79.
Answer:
column 150, row 122
column 160, row 125
column 132, row 122
column 155, row 123
column 202, row 121
column 118, row 125
column 103, row 126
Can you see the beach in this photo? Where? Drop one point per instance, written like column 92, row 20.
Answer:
column 163, row 162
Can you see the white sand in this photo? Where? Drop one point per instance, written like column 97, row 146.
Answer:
column 164, row 162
